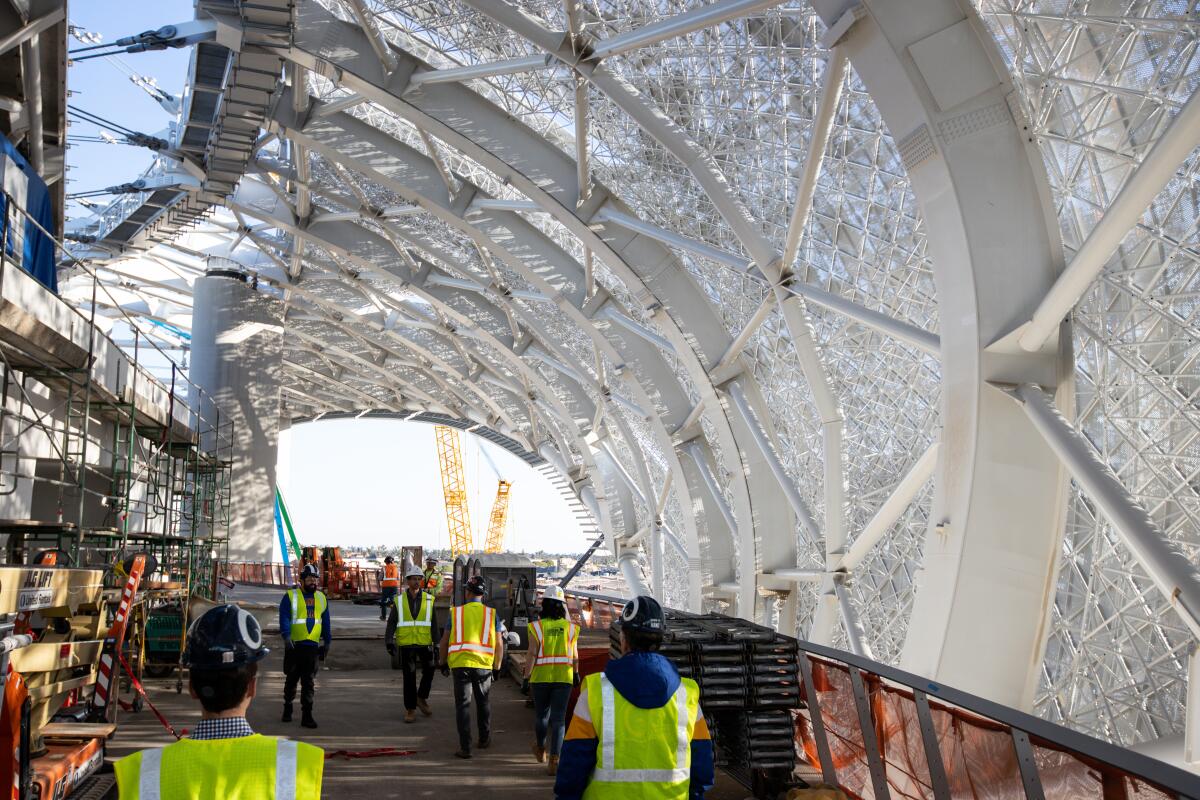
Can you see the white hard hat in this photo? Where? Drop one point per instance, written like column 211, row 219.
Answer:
column 413, row 572
column 554, row 592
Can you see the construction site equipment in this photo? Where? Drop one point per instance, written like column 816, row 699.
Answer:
column 454, row 490
column 338, row 579
column 583, row 559
column 511, row 586
column 498, row 519
column 40, row 669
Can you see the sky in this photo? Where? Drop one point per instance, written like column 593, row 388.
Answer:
column 100, row 87
column 377, row 481
column 348, row 482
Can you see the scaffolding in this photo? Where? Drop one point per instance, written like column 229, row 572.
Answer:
column 100, row 458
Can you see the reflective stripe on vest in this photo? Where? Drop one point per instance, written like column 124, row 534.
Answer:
column 471, row 648
column 554, row 667
column 300, row 631
column 286, row 759
column 411, row 631
column 679, row 773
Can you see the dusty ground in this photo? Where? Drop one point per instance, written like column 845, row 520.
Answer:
column 359, row 707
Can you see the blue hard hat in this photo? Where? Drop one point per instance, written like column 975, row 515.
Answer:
column 643, row 613
column 224, row 637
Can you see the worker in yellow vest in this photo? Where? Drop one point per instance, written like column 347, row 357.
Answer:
column 223, row 757
column 472, row 648
column 551, row 670
column 638, row 730
column 433, row 577
column 389, row 585
column 412, row 627
column 304, row 625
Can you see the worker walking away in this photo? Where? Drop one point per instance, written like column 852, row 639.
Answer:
column 433, row 578
column 472, row 649
column 223, row 758
column 551, row 670
column 412, row 627
column 304, row 624
column 389, row 586
column 638, row 730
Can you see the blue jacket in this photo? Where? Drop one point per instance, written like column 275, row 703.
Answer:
column 647, row 680
column 285, row 622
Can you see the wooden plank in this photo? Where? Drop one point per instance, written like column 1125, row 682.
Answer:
column 78, row 730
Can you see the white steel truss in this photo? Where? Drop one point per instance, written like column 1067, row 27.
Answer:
column 749, row 279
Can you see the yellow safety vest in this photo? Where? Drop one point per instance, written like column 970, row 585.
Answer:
column 300, row 631
column 411, row 631
column 643, row 753
column 247, row 768
column 553, row 644
column 472, row 636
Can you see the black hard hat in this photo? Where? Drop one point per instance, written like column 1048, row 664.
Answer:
column 225, row 637
column 430, row 560
column 310, row 569
column 389, row 560
column 476, row 584
column 644, row 614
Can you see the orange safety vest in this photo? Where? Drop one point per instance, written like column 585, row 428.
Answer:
column 391, row 576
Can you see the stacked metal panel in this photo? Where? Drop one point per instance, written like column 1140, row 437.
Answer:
column 749, row 683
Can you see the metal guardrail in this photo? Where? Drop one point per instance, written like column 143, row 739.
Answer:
column 880, row 732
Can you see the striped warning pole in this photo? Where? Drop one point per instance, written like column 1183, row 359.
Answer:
column 100, row 705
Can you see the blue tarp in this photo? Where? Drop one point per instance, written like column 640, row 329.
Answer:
column 38, row 259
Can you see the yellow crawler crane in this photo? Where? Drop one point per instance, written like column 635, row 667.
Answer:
column 454, row 488
column 495, row 534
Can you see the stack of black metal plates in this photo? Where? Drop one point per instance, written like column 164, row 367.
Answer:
column 749, row 682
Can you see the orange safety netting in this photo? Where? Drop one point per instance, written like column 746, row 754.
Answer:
column 977, row 753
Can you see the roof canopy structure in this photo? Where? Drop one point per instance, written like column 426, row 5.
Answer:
column 876, row 321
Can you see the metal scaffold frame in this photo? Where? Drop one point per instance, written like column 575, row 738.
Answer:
column 129, row 463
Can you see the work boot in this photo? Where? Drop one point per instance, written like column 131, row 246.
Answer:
column 423, row 704
column 287, row 712
column 539, row 753
column 410, row 715
column 306, row 719
column 552, row 766
column 463, row 753
column 484, row 744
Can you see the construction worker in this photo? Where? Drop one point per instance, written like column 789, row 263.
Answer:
column 638, row 730
column 473, row 649
column 551, row 669
column 304, row 624
column 433, row 578
column 223, row 757
column 412, row 627
column 389, row 586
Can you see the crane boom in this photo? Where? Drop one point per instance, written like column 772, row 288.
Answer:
column 495, row 534
column 454, row 489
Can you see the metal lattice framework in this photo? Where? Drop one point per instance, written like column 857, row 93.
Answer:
column 763, row 280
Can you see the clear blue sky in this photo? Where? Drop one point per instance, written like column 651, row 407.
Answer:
column 100, row 87
column 346, row 481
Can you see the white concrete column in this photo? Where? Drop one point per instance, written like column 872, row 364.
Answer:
column 237, row 360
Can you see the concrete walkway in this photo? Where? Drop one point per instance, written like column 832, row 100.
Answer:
column 359, row 707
